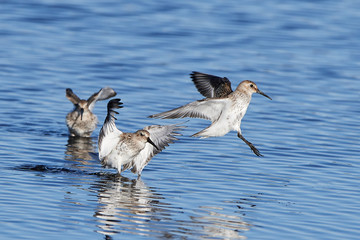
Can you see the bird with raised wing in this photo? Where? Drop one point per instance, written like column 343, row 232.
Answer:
column 81, row 122
column 224, row 107
column 132, row 150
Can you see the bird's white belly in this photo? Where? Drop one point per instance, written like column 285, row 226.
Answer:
column 234, row 119
column 229, row 121
column 119, row 156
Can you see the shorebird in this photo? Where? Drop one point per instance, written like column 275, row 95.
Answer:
column 131, row 150
column 224, row 107
column 81, row 121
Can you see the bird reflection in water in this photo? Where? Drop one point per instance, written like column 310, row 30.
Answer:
column 81, row 151
column 217, row 224
column 130, row 207
column 126, row 206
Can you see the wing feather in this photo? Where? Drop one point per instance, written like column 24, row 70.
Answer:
column 102, row 94
column 109, row 134
column 72, row 96
column 211, row 86
column 162, row 136
column 209, row 108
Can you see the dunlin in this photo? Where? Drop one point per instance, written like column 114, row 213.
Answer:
column 81, row 121
column 131, row 150
column 224, row 107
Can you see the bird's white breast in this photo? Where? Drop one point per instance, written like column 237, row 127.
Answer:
column 237, row 110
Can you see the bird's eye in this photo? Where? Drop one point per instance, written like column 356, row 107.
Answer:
column 141, row 134
column 251, row 85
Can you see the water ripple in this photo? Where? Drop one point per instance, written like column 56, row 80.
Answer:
column 303, row 54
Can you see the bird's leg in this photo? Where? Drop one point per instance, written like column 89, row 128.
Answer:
column 253, row 148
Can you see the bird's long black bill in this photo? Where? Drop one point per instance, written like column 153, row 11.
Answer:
column 260, row 92
column 152, row 143
column 81, row 113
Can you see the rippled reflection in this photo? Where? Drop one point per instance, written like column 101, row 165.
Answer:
column 126, row 206
column 80, row 149
column 215, row 224
column 131, row 207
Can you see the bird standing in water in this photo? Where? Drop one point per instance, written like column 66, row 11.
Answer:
column 131, row 150
column 224, row 107
column 81, row 121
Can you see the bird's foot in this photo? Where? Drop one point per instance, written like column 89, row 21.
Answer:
column 252, row 147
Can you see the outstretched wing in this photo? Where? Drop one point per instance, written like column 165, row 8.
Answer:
column 211, row 86
column 162, row 136
column 102, row 94
column 209, row 108
column 72, row 96
column 109, row 135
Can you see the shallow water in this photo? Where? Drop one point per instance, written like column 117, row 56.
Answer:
column 302, row 54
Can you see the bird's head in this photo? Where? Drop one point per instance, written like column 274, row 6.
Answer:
column 144, row 136
column 81, row 107
column 250, row 87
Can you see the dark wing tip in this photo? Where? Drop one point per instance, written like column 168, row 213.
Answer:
column 72, row 96
column 69, row 91
column 194, row 75
column 155, row 116
column 211, row 86
column 114, row 103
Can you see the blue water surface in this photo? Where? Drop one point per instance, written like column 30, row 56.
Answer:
column 304, row 54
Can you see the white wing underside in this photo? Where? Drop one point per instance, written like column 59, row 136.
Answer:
column 109, row 137
column 103, row 94
column 207, row 109
column 162, row 136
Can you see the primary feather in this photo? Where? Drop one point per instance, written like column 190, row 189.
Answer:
column 211, row 86
column 209, row 109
